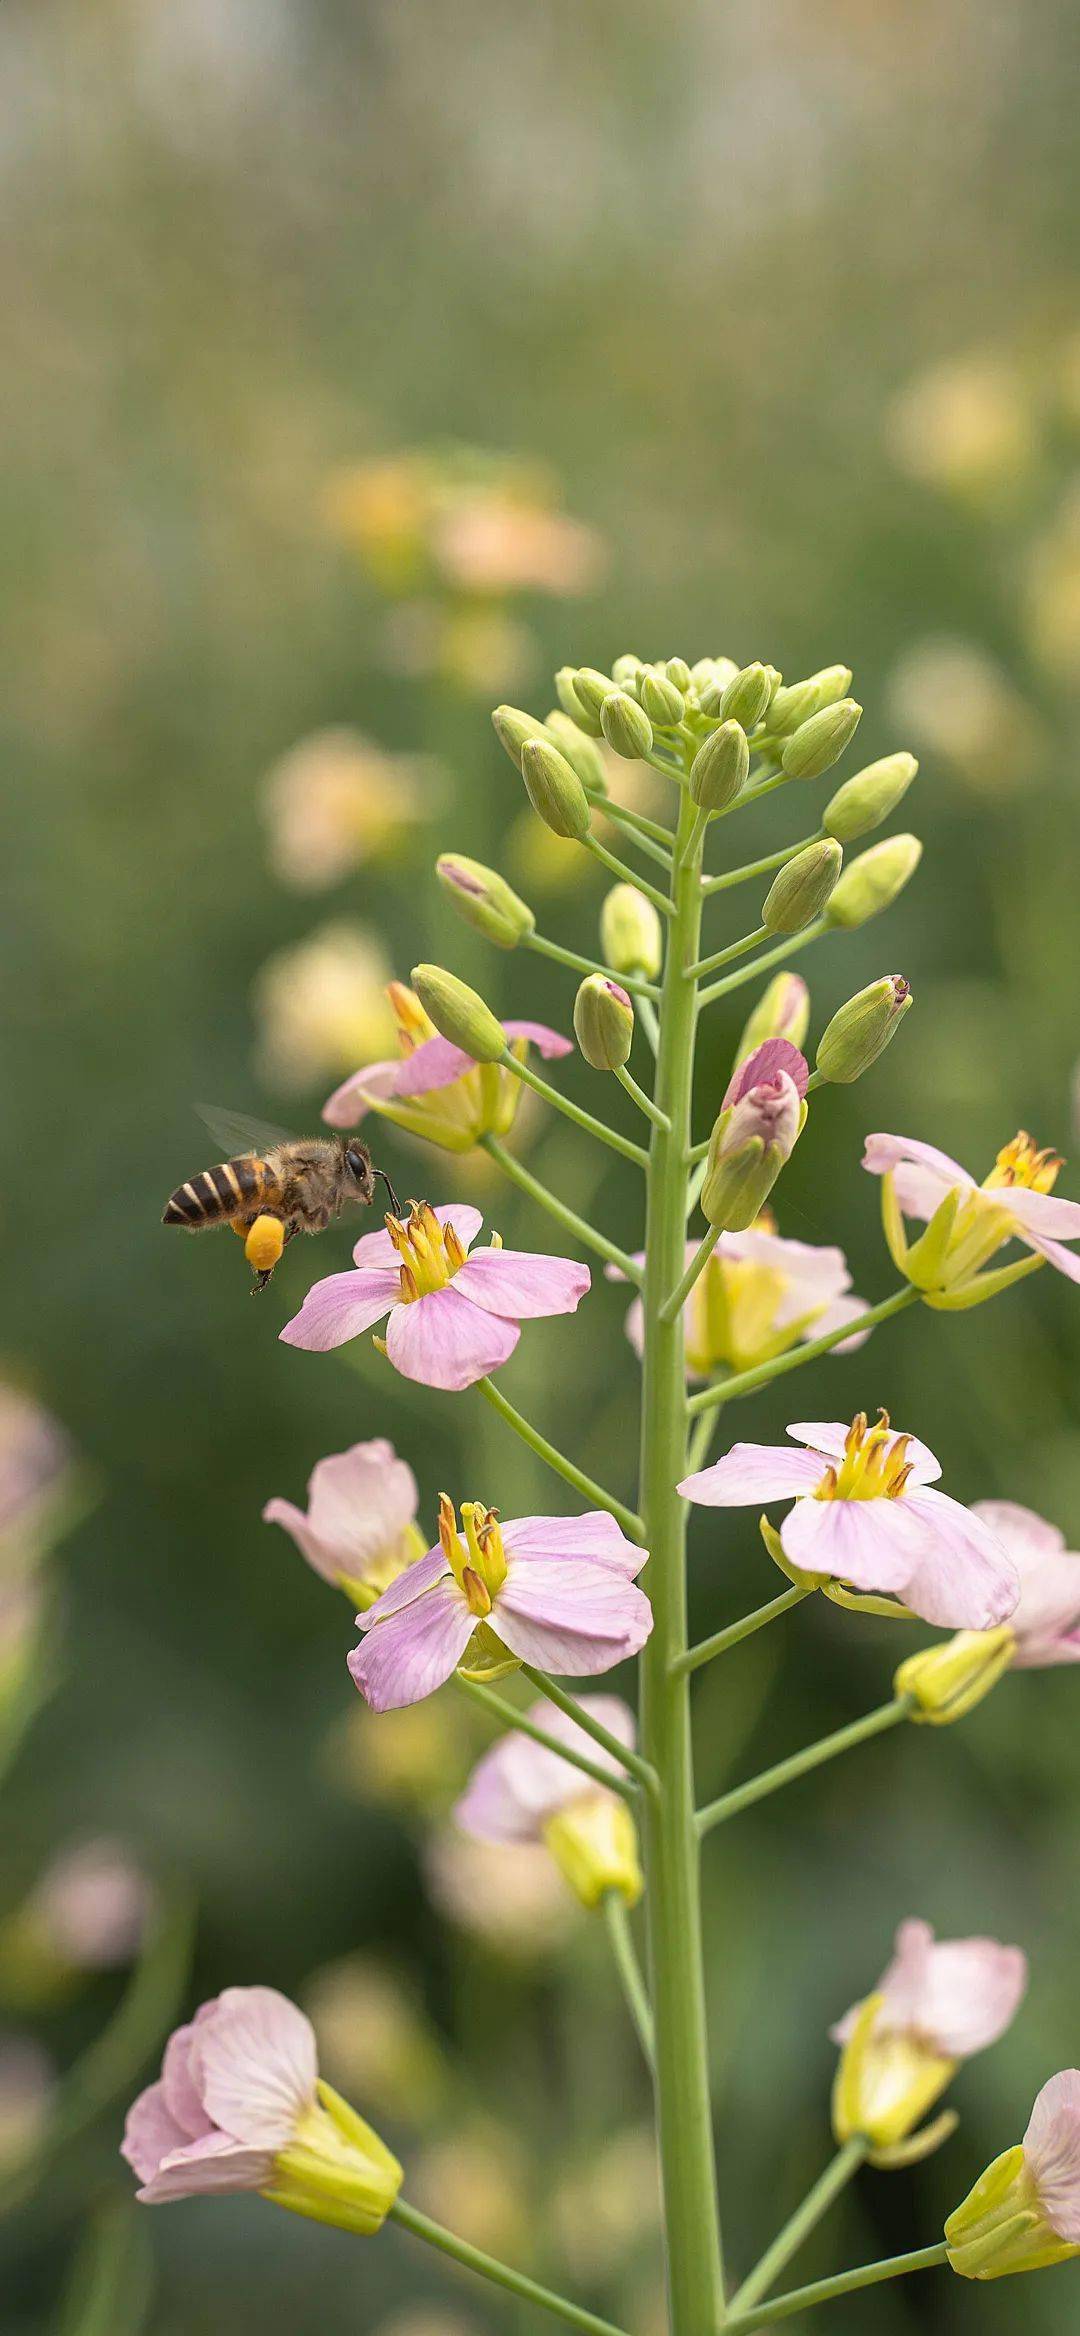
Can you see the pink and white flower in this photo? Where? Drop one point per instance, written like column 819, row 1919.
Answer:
column 1052, row 2153
column 436, row 1090
column 453, row 1316
column 1024, row 2211
column 1015, row 1202
column 936, row 2005
column 555, row 1591
column 359, row 1530
column 865, row 1513
column 758, row 1295
column 522, row 1792
column 1045, row 1622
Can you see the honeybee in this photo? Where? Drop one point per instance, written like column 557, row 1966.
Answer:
column 302, row 1184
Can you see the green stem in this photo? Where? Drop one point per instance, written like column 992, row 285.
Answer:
column 724, row 956
column 670, row 1846
column 772, row 1780
column 617, row 1918
column 735, row 1633
column 627, row 875
column 806, row 2218
column 777, row 956
column 583, row 1119
column 673, row 1306
column 510, row 1717
column 578, row 1227
column 824, row 2291
column 756, row 868
column 644, row 1102
column 647, row 1016
column 517, row 2282
column 635, row 822
column 634, row 1765
column 697, row 1450
column 693, row 1190
column 634, row 982
column 586, row 1485
column 641, row 838
column 745, row 1382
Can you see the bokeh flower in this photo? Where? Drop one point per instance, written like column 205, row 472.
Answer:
column 373, row 2036
column 337, row 800
column 27, row 2084
column 435, row 1090
column 959, row 705
column 555, row 1591
column 358, row 1530
column 453, row 1315
column 967, row 1222
column 1024, row 2212
column 967, row 427
column 936, row 2005
column 758, row 1295
column 321, row 1005
column 514, row 1900
column 35, row 1460
column 865, row 1512
column 523, row 1792
column 92, row 1906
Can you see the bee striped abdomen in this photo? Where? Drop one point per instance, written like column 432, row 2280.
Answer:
column 217, row 1193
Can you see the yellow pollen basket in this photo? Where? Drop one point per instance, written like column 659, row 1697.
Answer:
column 430, row 1253
column 875, row 1465
column 1022, row 1163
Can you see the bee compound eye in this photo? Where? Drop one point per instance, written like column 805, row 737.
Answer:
column 356, row 1163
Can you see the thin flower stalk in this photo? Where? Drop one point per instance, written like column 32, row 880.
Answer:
column 773, row 1780
column 634, row 1765
column 722, row 1641
column 764, row 963
column 487, row 1700
column 645, row 1104
column 753, row 869
column 826, row 2291
column 797, row 2230
column 631, row 1977
column 579, row 964
column 572, row 1111
column 567, row 1469
column 747, row 1382
column 628, row 875
column 706, row 965
column 500, row 2274
column 579, row 1227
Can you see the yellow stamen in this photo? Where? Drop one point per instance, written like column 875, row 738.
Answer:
column 431, row 1254
column 1022, row 1163
column 479, row 1563
column 475, row 1593
column 875, row 1465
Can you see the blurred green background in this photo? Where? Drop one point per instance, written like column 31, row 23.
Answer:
column 784, row 303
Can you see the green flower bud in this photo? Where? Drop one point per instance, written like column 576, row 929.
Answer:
column 719, row 769
column 627, row 729
column 627, row 671
column 791, row 707
column 603, row 1023
column 459, row 1014
column 630, row 932
column 866, row 799
column 820, row 742
column 783, row 1011
column 798, row 893
column 554, row 789
column 678, row 671
column 873, row 880
column 592, row 688
column 571, row 704
column 747, row 1149
column 513, row 729
column 746, row 698
column 582, row 754
column 485, row 899
column 862, row 1029
column 662, row 701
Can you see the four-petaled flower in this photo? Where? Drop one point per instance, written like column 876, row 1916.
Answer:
column 967, row 1223
column 555, row 1591
column 453, row 1316
column 865, row 1514
column 936, row 2005
column 358, row 1530
column 435, row 1090
column 758, row 1295
column 522, row 1792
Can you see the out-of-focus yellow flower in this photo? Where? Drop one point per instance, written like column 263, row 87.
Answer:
column 321, row 1006
column 373, row 2038
column 471, row 646
column 480, row 524
column 401, row 1757
column 967, row 427
column 607, row 2207
column 960, row 706
column 476, row 2181
column 1053, row 592
column 382, row 509
column 336, row 800
column 514, row 1899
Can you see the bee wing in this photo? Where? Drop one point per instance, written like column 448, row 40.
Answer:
column 238, row 1133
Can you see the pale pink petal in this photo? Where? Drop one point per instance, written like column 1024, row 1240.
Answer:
column 832, row 1317
column 569, row 1616
column 413, row 1651
column 812, row 1276
column 151, row 2132
column 614, row 1273
column 519, row 1784
column 359, row 1502
column 830, row 1436
column 634, row 1327
column 1028, row 1537
column 958, row 1995
column 350, row 1102
column 1063, row 1260
column 340, row 1308
column 1045, row 1214
column 550, row 1044
column 183, row 2099
column 443, row 1341
column 412, row 1584
column 593, row 1535
column 886, row 1153
column 521, row 1284
column 766, row 1062
column 435, row 1063
column 1048, row 1611
column 1052, row 2150
column 378, row 1249
column 213, row 2165
column 871, row 1544
column 750, row 1473
column 256, row 2066
column 963, row 1577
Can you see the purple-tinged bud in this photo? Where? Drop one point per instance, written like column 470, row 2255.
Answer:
column 554, row 790
column 748, row 1147
column 603, row 1023
column 818, row 743
column 485, row 899
column 783, row 1011
column 862, row 1029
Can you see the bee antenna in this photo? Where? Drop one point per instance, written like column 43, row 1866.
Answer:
column 395, row 1204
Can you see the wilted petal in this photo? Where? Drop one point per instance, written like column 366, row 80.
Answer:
column 522, row 1284
column 594, row 1535
column 256, row 2066
column 342, row 1307
column 407, row 1654
column 1052, row 2150
column 444, row 1341
column 570, row 1617
column 750, row 1473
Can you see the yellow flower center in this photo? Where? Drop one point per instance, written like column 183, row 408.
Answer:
column 875, row 1465
column 474, row 1552
column 430, row 1253
column 413, row 1024
column 1022, row 1163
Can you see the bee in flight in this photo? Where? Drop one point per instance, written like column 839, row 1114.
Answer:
column 274, row 1186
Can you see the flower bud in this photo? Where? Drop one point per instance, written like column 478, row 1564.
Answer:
column 873, row 881
column 719, row 769
column 591, row 688
column 746, row 698
column 866, row 799
column 582, row 754
column 603, row 1023
column 949, row 1679
column 1004, row 2226
column 630, row 935
column 747, row 1149
column 459, row 1014
column 862, row 1029
column 573, row 706
column 661, row 700
column 594, row 1844
column 782, row 1011
column 798, row 893
column 790, row 707
column 485, row 899
column 513, row 729
column 820, row 742
column 627, row 671
column 678, row 671
column 886, row 2081
column 554, row 790
column 264, row 1243
column 626, row 727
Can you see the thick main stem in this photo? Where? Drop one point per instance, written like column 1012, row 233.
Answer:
column 695, row 2275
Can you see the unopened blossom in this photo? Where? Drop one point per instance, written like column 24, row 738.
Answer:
column 1024, row 2212
column 758, row 1295
column 435, row 1090
column 555, row 1591
column 240, row 2105
column 523, row 1792
column 359, row 1529
column 866, row 1513
column 968, row 1223
column 321, row 1005
column 760, row 1119
column 454, row 1314
column 936, row 2004
column 337, row 800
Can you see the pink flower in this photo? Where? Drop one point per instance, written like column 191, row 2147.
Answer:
column 956, row 1996
column 555, row 1591
column 452, row 1317
column 1052, row 2154
column 758, row 1295
column 1024, row 2211
column 864, row 1514
column 1045, row 1622
column 435, row 1090
column 1015, row 1202
column 521, row 1792
column 93, row 1904
column 358, row 1530
column 775, row 1059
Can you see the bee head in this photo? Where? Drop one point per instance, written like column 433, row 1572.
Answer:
column 359, row 1168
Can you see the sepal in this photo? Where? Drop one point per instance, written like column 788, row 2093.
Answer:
column 1000, row 2227
column 594, row 1844
column 944, row 1682
column 336, row 2170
